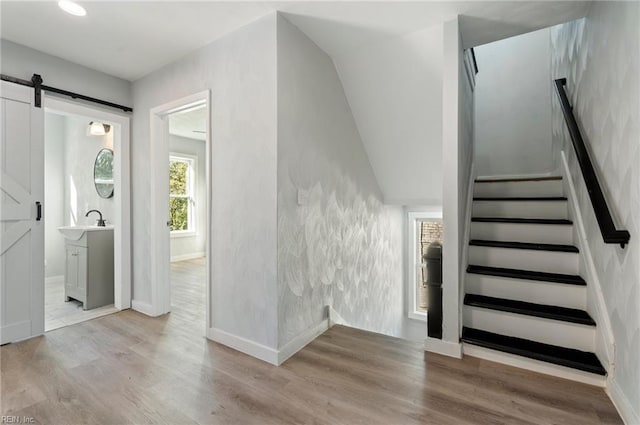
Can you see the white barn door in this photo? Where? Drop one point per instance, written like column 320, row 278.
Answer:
column 21, row 227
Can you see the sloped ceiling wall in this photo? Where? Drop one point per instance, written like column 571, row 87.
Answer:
column 394, row 89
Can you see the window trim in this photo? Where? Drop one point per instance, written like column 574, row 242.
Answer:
column 412, row 261
column 192, row 170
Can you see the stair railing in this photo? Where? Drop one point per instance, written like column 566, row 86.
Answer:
column 603, row 215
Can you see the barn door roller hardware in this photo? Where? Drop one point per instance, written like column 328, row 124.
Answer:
column 36, row 83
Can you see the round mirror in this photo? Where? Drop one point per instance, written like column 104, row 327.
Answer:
column 103, row 173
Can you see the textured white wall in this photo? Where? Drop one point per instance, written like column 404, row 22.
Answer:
column 22, row 62
column 186, row 245
column 513, row 114
column 80, row 191
column 54, row 194
column 600, row 57
column 394, row 89
column 240, row 71
column 337, row 243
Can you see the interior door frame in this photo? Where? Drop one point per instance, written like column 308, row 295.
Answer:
column 160, row 240
column 122, row 188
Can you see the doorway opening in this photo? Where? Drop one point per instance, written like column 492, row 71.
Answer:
column 181, row 199
column 187, row 212
column 87, row 217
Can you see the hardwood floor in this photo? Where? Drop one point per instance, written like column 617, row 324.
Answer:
column 129, row 368
column 188, row 292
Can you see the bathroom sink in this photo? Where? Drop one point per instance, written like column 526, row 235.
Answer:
column 75, row 232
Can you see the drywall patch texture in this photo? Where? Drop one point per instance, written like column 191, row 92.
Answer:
column 338, row 244
column 240, row 71
column 600, row 57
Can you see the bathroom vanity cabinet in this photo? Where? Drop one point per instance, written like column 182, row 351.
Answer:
column 89, row 269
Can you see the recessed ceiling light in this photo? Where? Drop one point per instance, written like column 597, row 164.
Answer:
column 72, row 8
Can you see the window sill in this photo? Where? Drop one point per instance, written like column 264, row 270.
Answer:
column 418, row 315
column 183, row 234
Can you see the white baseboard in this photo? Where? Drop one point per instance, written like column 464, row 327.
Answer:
column 15, row 332
column 300, row 341
column 334, row 317
column 446, row 348
column 533, row 365
column 605, row 346
column 52, row 280
column 629, row 415
column 185, row 257
column 143, row 308
column 244, row 345
column 464, row 259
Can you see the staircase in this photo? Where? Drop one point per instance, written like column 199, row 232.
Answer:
column 525, row 300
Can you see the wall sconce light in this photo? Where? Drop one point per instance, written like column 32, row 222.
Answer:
column 98, row 129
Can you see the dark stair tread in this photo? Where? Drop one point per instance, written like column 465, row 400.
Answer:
column 527, row 274
column 568, row 357
column 525, row 245
column 521, row 220
column 521, row 199
column 564, row 314
column 520, row 179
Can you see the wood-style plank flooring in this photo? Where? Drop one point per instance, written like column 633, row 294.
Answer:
column 127, row 368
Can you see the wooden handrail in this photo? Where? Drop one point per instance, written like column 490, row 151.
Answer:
column 603, row 215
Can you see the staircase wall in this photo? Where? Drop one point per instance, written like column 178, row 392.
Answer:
column 513, row 116
column 457, row 107
column 338, row 244
column 600, row 57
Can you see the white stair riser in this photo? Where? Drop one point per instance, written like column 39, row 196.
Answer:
column 524, row 259
column 527, row 188
column 548, row 331
column 533, row 365
column 520, row 209
column 517, row 232
column 558, row 294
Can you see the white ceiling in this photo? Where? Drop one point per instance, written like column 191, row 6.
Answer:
column 379, row 49
column 190, row 124
column 132, row 39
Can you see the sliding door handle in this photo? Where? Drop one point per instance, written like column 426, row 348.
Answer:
column 38, row 211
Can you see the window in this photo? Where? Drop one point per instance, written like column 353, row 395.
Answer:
column 182, row 194
column 424, row 228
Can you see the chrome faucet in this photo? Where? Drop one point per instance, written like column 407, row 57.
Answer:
column 101, row 222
